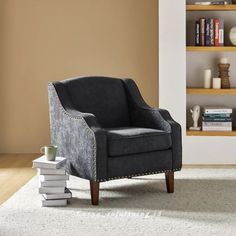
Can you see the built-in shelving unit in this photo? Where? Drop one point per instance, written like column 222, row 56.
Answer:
column 231, row 91
column 222, row 49
column 211, row 8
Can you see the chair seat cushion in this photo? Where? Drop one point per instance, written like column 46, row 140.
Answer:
column 132, row 140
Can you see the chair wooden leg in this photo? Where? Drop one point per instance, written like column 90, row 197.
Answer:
column 94, row 190
column 170, row 181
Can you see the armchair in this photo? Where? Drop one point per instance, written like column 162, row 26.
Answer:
column 106, row 131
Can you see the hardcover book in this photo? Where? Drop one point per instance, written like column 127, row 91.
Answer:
column 51, row 190
column 217, row 110
column 202, row 31
column 54, row 183
column 42, row 162
column 221, row 32
column 60, row 171
column 58, row 202
column 216, row 23
column 207, row 33
column 67, row 195
column 212, row 33
column 53, row 177
column 197, row 33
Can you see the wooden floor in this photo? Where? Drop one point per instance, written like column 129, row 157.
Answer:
column 15, row 171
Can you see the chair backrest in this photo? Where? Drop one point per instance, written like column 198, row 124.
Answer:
column 104, row 97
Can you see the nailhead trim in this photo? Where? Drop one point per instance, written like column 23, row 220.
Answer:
column 89, row 131
column 135, row 175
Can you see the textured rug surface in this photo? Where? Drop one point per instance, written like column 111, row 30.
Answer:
column 204, row 203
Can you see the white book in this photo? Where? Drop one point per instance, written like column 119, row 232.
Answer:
column 204, row 128
column 53, row 177
column 50, row 203
column 41, row 162
column 217, row 110
column 60, row 171
column 66, row 195
column 54, row 183
column 217, row 124
column 51, row 190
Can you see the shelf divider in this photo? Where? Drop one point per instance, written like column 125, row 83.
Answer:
column 229, row 7
column 211, row 49
column 231, row 91
column 210, row 133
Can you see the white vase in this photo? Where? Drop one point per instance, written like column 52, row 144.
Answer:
column 232, row 35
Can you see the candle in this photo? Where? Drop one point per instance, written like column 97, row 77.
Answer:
column 216, row 83
column 224, row 60
column 207, row 78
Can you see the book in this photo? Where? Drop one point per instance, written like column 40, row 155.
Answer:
column 54, row 183
column 66, row 195
column 207, row 33
column 51, row 190
column 204, row 128
column 216, row 24
column 202, row 31
column 221, row 32
column 216, row 119
column 58, row 202
column 217, row 110
column 212, row 32
column 41, row 162
column 197, row 33
column 221, row 115
column 53, row 177
column 60, row 171
column 217, row 124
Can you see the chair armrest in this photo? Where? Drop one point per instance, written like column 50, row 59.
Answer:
column 143, row 115
column 79, row 138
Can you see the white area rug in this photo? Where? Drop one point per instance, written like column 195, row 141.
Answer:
column 204, row 203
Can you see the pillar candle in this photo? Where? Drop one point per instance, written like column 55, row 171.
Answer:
column 224, row 60
column 216, row 83
column 207, row 78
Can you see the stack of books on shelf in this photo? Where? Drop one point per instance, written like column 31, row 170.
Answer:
column 209, row 32
column 52, row 181
column 217, row 119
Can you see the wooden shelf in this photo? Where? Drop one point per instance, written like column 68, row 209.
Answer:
column 231, row 91
column 211, row 49
column 211, row 133
column 211, row 8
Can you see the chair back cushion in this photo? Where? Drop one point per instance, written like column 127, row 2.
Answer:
column 102, row 96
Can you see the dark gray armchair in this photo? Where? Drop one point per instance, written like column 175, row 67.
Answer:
column 106, row 131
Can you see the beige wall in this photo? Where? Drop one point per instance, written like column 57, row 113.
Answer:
column 50, row 40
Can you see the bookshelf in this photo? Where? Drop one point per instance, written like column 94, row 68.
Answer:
column 203, row 53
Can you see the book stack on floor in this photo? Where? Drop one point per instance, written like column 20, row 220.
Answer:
column 52, row 181
column 209, row 32
column 217, row 119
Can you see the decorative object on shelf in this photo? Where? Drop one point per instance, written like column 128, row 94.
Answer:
column 195, row 115
column 232, row 35
column 216, row 83
column 224, row 73
column 207, row 78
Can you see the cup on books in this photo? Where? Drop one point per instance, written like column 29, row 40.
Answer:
column 49, row 151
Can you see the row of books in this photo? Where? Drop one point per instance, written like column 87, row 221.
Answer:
column 209, row 32
column 217, row 119
column 52, row 181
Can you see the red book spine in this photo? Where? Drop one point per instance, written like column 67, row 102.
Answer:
column 217, row 23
